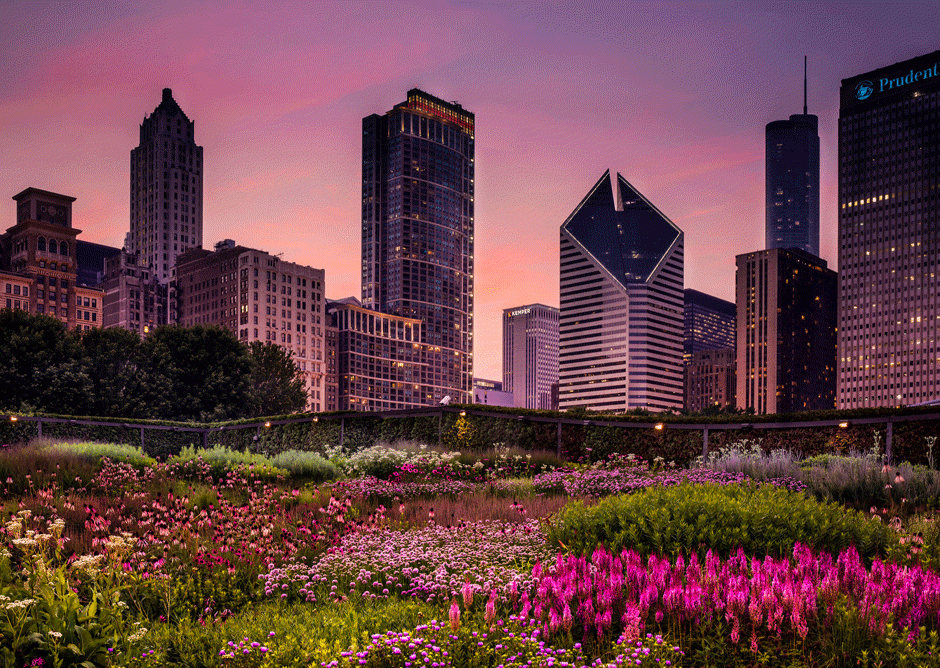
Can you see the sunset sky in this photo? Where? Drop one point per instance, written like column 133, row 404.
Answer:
column 673, row 95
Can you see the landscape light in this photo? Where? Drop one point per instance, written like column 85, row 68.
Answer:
column 843, row 425
column 659, row 426
column 267, row 424
column 316, row 418
column 13, row 418
column 463, row 413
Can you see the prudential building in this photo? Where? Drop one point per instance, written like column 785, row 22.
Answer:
column 889, row 235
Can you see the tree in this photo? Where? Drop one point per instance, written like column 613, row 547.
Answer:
column 41, row 365
column 277, row 383
column 207, row 371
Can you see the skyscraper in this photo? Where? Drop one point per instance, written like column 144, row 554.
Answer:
column 530, row 354
column 792, row 181
column 621, row 315
column 166, row 189
column 709, row 354
column 786, row 342
column 417, row 232
column 889, row 239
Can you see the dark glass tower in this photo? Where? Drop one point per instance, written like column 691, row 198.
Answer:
column 792, row 173
column 417, row 232
column 621, row 315
column 889, row 235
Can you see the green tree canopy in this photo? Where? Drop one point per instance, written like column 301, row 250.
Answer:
column 277, row 383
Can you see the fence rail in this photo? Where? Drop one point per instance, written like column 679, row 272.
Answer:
column 560, row 421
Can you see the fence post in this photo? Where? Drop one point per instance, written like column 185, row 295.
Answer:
column 559, row 440
column 142, row 439
column 705, row 445
column 205, row 439
column 888, row 439
column 342, row 431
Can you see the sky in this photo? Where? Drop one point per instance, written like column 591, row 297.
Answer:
column 673, row 95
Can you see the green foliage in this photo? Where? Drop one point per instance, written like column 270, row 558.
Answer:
column 461, row 435
column 382, row 460
column 306, row 466
column 221, row 460
column 277, row 383
column 93, row 451
column 761, row 519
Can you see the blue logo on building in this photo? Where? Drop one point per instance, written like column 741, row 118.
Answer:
column 864, row 90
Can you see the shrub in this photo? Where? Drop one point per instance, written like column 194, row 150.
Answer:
column 94, row 452
column 382, row 460
column 686, row 519
column 307, row 466
column 221, row 460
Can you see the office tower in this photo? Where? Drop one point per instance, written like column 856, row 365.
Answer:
column 530, row 355
column 39, row 256
column 258, row 297
column 133, row 298
column 711, row 379
column 709, row 353
column 417, row 232
column 786, row 341
column 792, row 181
column 889, row 244
column 380, row 359
column 709, row 323
column 621, row 315
column 166, row 189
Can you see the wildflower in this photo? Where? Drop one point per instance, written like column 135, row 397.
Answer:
column 454, row 615
column 898, row 478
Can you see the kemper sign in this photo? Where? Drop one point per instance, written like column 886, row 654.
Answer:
column 521, row 311
column 866, row 88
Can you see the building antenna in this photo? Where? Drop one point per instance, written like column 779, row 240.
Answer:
column 804, row 85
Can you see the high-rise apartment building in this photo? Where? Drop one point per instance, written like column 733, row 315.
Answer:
column 133, row 298
column 786, row 340
column 166, row 189
column 530, row 355
column 889, row 239
column 417, row 232
column 709, row 352
column 792, row 182
column 621, row 315
column 709, row 323
column 380, row 360
column 258, row 297
column 41, row 250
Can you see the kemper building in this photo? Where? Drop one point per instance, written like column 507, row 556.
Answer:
column 889, row 235
column 621, row 310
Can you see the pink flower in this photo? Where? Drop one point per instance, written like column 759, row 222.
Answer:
column 454, row 615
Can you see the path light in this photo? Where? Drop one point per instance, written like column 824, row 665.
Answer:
column 843, row 425
column 463, row 413
column 267, row 424
column 659, row 426
column 13, row 418
column 316, row 418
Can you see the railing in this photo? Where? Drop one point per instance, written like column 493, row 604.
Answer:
column 560, row 421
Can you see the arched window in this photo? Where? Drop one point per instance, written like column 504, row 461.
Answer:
column 41, row 245
column 63, row 248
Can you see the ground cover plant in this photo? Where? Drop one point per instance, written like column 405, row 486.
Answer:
column 416, row 556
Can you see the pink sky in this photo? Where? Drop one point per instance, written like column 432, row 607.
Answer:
column 674, row 96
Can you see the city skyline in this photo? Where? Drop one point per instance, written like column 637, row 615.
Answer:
column 676, row 98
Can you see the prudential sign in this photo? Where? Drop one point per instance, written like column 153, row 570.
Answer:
column 865, row 89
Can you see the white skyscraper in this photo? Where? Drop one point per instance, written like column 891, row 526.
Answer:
column 166, row 189
column 621, row 317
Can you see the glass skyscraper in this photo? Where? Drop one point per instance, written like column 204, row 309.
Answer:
column 530, row 354
column 621, row 316
column 889, row 235
column 417, row 232
column 166, row 189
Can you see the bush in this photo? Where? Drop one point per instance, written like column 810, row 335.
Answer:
column 307, row 466
column 221, row 460
column 94, row 452
column 762, row 519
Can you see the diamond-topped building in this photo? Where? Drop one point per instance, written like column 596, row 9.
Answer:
column 621, row 321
